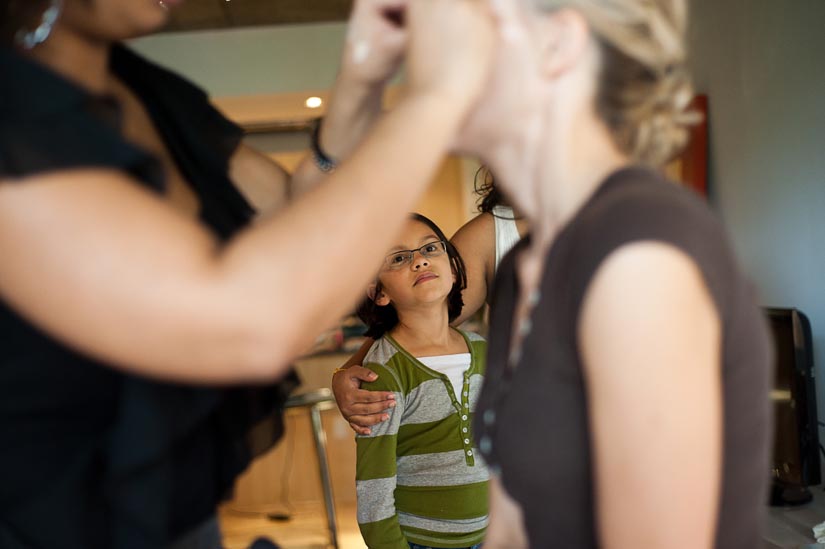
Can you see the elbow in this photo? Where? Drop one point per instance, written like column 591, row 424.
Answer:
column 261, row 363
column 265, row 355
column 255, row 355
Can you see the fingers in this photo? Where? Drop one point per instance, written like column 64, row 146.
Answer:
column 509, row 18
column 361, row 408
column 361, row 423
column 450, row 48
column 393, row 11
column 360, row 430
column 375, row 41
column 504, row 10
column 362, row 415
column 361, row 402
column 355, row 402
column 360, row 373
column 369, row 398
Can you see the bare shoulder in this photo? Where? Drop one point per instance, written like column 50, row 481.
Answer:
column 647, row 267
column 648, row 325
column 481, row 226
column 476, row 239
column 643, row 293
column 648, row 284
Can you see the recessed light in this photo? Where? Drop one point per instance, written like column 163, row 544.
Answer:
column 314, row 102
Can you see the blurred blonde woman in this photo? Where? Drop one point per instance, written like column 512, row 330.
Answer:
column 626, row 403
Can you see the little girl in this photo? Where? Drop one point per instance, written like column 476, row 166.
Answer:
column 419, row 479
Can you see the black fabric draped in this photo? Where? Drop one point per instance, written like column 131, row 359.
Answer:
column 91, row 457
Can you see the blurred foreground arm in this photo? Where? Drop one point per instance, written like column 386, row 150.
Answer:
column 111, row 270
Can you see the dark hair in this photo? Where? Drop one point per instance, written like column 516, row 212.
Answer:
column 487, row 190
column 490, row 195
column 19, row 14
column 381, row 319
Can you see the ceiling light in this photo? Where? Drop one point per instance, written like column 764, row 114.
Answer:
column 314, row 102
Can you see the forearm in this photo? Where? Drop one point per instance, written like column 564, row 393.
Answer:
column 206, row 312
column 353, row 109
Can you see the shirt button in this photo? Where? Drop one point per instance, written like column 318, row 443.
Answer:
column 489, row 417
column 469, row 452
column 466, row 441
column 466, row 393
column 464, row 418
column 464, row 430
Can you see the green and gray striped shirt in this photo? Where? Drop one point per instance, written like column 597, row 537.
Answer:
column 419, row 477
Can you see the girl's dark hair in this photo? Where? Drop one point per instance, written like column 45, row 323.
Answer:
column 489, row 193
column 484, row 185
column 19, row 14
column 381, row 319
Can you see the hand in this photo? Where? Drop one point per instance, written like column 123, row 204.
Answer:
column 375, row 43
column 450, row 48
column 359, row 407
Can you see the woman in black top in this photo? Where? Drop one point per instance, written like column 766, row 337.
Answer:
column 132, row 284
column 626, row 403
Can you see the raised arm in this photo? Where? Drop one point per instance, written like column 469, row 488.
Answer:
column 354, row 107
column 111, row 270
column 476, row 242
column 650, row 339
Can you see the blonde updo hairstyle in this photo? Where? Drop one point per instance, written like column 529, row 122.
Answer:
column 644, row 89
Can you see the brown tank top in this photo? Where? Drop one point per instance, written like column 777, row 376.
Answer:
column 531, row 422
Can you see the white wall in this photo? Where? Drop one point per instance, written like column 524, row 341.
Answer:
column 762, row 64
column 251, row 61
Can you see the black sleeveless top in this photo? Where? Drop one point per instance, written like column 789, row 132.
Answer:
column 532, row 421
column 90, row 457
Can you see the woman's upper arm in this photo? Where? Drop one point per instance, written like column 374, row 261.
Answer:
column 476, row 242
column 106, row 267
column 263, row 182
column 650, row 340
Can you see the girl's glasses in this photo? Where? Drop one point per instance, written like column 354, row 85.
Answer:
column 399, row 259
